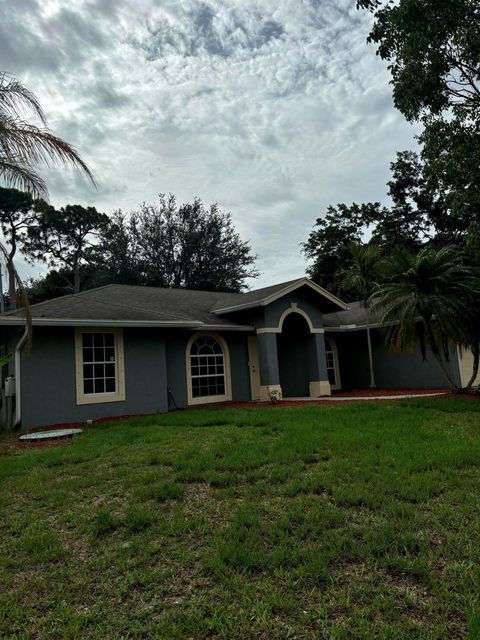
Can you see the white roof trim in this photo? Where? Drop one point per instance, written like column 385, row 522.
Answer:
column 282, row 292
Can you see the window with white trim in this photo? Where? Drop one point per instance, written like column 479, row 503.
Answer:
column 99, row 363
column 207, row 368
column 330, row 360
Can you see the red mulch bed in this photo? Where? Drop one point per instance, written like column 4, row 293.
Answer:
column 367, row 393
column 12, row 441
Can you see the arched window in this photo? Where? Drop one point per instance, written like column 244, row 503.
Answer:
column 209, row 381
column 331, row 357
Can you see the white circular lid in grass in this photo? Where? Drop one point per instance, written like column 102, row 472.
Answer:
column 50, row 435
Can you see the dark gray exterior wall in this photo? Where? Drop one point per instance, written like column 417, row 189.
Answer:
column 238, row 346
column 9, row 338
column 176, row 351
column 49, row 385
column 274, row 310
column 267, row 354
column 392, row 371
column 306, row 362
column 154, row 362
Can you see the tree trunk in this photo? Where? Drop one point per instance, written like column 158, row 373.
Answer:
column 12, row 290
column 76, row 280
column 476, row 357
column 438, row 357
column 370, row 356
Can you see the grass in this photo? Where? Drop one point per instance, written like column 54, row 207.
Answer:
column 339, row 522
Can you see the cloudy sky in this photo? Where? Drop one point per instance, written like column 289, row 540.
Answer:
column 272, row 109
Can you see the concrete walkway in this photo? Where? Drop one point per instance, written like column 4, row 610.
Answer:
column 402, row 396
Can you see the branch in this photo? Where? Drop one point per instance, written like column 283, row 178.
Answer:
column 23, row 297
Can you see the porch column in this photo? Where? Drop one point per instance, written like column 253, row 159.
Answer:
column 319, row 384
column 269, row 374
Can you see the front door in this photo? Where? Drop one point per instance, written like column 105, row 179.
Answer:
column 254, row 367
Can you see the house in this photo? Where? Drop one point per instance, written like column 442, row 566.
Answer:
column 123, row 350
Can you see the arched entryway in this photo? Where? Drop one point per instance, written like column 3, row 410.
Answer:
column 294, row 353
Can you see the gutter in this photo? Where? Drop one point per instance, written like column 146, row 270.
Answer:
column 18, row 385
column 195, row 325
column 79, row 322
column 356, row 327
column 225, row 327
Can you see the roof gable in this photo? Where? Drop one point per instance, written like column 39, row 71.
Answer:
column 263, row 297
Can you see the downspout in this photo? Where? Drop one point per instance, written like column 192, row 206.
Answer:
column 18, row 385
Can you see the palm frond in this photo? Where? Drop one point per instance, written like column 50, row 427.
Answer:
column 19, row 139
column 16, row 99
column 23, row 177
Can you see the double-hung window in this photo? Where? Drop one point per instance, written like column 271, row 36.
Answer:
column 99, row 366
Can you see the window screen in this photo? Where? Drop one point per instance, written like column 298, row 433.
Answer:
column 207, row 368
column 99, row 363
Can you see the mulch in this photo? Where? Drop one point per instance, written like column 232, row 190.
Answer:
column 11, row 441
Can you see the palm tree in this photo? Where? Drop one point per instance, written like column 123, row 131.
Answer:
column 361, row 276
column 24, row 145
column 424, row 301
column 471, row 324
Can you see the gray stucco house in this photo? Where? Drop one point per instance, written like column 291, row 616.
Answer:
column 123, row 350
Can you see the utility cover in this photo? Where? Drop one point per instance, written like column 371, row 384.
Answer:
column 50, row 435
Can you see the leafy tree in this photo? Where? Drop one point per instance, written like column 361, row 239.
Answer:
column 361, row 277
column 65, row 237
column 116, row 259
column 433, row 51
column 329, row 241
column 424, row 300
column 452, row 170
column 55, row 283
column 190, row 246
column 24, row 145
column 408, row 222
column 51, row 285
column 16, row 215
column 161, row 245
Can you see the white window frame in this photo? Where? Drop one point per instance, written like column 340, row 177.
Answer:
column 336, row 368
column 97, row 398
column 227, row 396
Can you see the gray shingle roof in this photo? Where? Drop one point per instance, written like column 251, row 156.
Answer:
column 354, row 315
column 257, row 295
column 130, row 304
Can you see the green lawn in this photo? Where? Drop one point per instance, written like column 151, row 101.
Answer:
column 355, row 521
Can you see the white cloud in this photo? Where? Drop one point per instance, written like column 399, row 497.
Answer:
column 274, row 111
